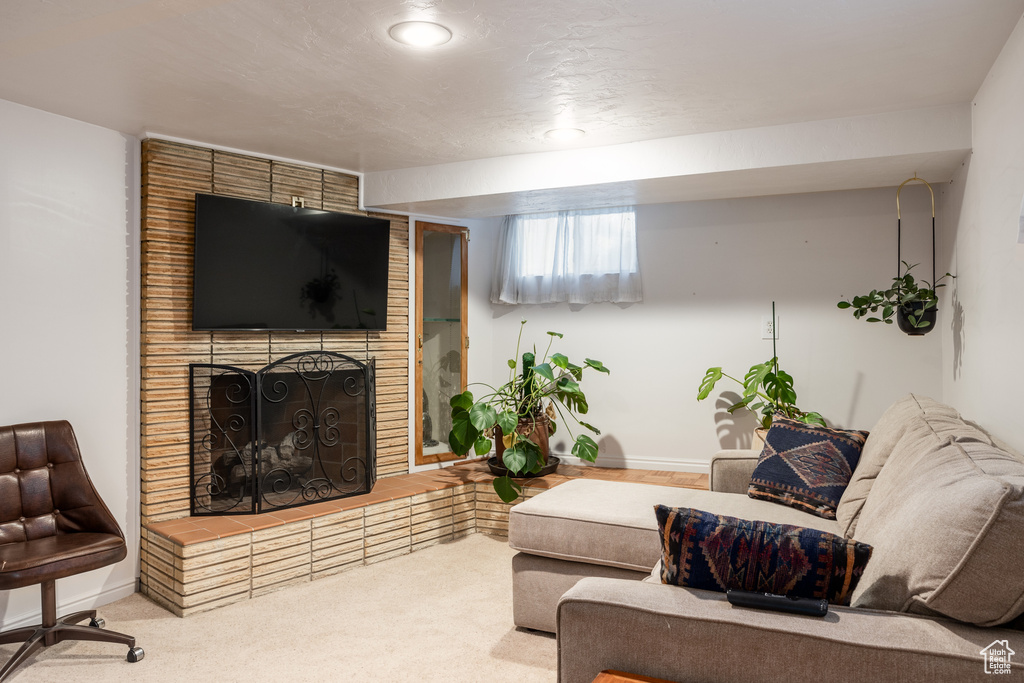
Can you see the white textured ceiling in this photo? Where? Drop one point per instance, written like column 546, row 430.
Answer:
column 320, row 81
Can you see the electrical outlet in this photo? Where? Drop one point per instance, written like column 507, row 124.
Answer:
column 769, row 328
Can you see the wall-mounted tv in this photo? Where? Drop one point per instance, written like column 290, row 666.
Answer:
column 263, row 266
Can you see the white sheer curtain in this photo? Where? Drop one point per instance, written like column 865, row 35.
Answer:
column 577, row 256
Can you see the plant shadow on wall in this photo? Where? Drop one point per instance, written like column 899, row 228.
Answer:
column 734, row 430
column 957, row 325
column 521, row 415
column 609, row 446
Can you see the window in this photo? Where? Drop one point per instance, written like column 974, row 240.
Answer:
column 576, row 256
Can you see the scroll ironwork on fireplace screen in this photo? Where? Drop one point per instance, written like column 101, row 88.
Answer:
column 301, row 430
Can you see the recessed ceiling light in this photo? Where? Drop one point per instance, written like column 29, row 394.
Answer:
column 420, row 33
column 564, row 134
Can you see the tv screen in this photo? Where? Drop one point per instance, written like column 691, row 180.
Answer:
column 262, row 266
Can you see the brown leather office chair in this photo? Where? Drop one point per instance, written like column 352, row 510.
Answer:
column 52, row 524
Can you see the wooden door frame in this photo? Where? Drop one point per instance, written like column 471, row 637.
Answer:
column 421, row 227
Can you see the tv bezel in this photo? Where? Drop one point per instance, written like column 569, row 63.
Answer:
column 316, row 330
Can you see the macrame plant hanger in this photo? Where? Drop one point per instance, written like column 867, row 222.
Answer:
column 899, row 246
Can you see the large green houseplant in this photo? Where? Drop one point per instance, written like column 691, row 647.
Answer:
column 767, row 390
column 521, row 414
column 914, row 305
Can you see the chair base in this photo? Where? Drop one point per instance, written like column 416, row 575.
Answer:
column 53, row 631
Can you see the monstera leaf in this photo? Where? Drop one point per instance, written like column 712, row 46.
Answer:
column 585, row 448
column 707, row 384
column 755, row 377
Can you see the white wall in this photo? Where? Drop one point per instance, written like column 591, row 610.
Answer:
column 981, row 372
column 711, row 271
column 67, row 201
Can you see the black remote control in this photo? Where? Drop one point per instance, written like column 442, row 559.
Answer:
column 780, row 603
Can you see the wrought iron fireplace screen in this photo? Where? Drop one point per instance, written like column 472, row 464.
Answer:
column 301, row 430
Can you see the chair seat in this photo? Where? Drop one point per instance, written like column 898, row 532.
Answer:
column 24, row 563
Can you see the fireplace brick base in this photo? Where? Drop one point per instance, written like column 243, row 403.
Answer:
column 187, row 575
column 195, row 564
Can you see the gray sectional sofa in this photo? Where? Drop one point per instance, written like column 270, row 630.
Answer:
column 941, row 502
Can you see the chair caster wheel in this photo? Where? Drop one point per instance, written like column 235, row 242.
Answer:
column 96, row 622
column 135, row 655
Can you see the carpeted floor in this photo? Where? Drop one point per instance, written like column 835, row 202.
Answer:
column 440, row 614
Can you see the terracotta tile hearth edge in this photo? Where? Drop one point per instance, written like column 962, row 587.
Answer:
column 200, row 529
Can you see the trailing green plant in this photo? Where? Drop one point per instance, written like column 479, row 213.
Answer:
column 767, row 390
column 549, row 387
column 881, row 305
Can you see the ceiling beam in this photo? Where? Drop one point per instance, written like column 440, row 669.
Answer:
column 849, row 153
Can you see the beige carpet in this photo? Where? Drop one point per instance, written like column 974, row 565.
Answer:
column 439, row 614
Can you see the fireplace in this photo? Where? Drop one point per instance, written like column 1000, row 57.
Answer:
column 300, row 430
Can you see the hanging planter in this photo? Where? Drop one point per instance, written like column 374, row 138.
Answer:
column 915, row 307
column 918, row 317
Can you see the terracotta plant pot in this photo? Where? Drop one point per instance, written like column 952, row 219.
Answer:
column 757, row 441
column 535, row 429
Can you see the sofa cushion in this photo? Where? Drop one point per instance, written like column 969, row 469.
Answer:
column 946, row 527
column 693, row 635
column 805, row 466
column 611, row 522
column 913, row 423
column 721, row 553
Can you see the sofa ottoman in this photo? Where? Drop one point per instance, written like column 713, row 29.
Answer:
column 588, row 527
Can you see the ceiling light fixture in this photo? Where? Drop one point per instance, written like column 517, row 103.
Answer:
column 420, row 33
column 564, row 134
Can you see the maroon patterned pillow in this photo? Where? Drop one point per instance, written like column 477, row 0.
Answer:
column 805, row 466
column 719, row 553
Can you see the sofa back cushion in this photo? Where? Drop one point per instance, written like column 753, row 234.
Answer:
column 912, row 424
column 945, row 517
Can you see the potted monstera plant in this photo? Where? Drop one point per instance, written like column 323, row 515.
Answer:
column 767, row 390
column 913, row 305
column 521, row 415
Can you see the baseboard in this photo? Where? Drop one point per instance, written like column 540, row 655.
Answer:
column 88, row 602
column 633, row 462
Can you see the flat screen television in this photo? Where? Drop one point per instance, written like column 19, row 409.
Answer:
column 263, row 266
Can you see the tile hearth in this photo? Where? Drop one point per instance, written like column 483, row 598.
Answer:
column 196, row 564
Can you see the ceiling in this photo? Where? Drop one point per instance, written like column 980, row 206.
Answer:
column 320, row 81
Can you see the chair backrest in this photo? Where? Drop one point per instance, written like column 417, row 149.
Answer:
column 44, row 489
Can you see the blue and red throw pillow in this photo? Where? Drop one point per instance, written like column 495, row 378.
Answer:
column 719, row 553
column 805, row 466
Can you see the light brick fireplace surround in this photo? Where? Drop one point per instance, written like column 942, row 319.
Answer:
column 193, row 564
column 172, row 174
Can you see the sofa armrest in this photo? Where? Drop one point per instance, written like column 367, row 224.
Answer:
column 684, row 634
column 731, row 470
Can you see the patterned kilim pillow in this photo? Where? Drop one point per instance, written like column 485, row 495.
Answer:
column 806, row 467
column 719, row 553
